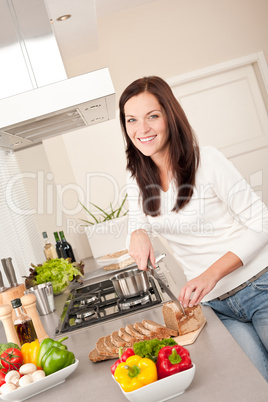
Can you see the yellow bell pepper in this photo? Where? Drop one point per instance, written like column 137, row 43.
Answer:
column 29, row 351
column 135, row 372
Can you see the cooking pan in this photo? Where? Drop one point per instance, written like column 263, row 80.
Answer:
column 132, row 282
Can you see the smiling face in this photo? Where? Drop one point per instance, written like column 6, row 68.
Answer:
column 146, row 125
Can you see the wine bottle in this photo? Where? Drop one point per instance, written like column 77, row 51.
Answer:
column 49, row 249
column 23, row 324
column 59, row 248
column 67, row 248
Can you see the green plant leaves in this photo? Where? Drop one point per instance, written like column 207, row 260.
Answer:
column 114, row 213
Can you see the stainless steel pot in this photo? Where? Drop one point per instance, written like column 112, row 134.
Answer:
column 131, row 283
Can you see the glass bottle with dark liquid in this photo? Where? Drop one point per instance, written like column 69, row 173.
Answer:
column 23, row 323
column 67, row 248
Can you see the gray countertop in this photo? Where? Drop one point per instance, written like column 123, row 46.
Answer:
column 223, row 371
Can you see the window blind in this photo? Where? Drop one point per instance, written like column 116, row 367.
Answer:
column 19, row 235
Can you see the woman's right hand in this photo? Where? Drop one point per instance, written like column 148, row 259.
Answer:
column 140, row 249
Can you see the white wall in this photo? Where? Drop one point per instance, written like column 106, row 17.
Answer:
column 165, row 38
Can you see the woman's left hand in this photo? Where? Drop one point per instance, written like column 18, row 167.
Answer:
column 193, row 292
column 196, row 289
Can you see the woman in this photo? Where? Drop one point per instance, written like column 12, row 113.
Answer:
column 196, row 199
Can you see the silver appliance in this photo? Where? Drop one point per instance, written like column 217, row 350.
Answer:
column 44, row 102
column 96, row 302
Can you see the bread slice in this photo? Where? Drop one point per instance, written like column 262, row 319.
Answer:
column 161, row 329
column 118, row 341
column 102, row 349
column 132, row 331
column 184, row 324
column 95, row 357
column 147, row 332
column 110, row 346
column 127, row 337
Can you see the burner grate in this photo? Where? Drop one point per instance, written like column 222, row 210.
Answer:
column 97, row 303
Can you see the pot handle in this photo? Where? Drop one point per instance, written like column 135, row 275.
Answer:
column 160, row 257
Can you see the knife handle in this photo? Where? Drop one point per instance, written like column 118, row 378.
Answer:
column 4, row 263
column 11, row 272
column 1, row 281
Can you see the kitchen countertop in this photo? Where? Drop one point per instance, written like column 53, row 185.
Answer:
column 223, row 371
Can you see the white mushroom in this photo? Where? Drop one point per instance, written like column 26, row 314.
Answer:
column 7, row 388
column 12, row 377
column 38, row 375
column 27, row 368
column 25, row 380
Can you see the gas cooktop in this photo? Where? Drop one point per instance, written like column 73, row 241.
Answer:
column 96, row 303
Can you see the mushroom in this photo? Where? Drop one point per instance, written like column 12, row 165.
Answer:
column 27, row 368
column 25, row 380
column 38, row 375
column 7, row 388
column 12, row 377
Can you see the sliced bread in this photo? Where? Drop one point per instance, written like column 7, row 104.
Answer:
column 132, row 331
column 110, row 346
column 127, row 337
column 102, row 349
column 118, row 341
column 154, row 326
column 147, row 332
column 95, row 357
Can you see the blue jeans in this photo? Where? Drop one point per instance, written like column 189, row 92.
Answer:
column 245, row 315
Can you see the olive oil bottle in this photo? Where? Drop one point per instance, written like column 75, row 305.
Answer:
column 23, row 323
column 49, row 249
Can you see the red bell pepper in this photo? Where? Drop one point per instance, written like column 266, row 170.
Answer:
column 122, row 358
column 172, row 360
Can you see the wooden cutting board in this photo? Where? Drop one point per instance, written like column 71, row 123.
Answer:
column 189, row 338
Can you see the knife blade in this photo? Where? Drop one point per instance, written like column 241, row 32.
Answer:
column 165, row 287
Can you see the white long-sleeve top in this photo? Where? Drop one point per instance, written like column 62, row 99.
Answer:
column 224, row 214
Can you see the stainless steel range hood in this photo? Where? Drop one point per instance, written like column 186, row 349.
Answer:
column 30, row 117
column 57, row 105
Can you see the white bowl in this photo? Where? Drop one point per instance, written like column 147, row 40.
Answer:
column 39, row 386
column 163, row 389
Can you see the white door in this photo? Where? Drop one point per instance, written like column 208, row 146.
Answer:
column 226, row 108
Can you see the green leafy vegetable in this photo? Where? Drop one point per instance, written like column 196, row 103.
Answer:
column 151, row 348
column 5, row 346
column 59, row 271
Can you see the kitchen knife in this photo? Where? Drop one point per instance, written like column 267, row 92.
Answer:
column 3, row 260
column 9, row 271
column 2, row 287
column 164, row 286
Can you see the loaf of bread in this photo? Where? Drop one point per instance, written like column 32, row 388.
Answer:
column 177, row 321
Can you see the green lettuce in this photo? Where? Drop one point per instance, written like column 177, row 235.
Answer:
column 59, row 271
column 151, row 348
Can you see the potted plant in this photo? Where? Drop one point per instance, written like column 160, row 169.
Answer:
column 106, row 232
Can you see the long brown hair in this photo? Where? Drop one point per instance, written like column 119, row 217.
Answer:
column 183, row 147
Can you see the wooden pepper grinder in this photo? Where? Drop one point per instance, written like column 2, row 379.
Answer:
column 29, row 303
column 7, row 320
